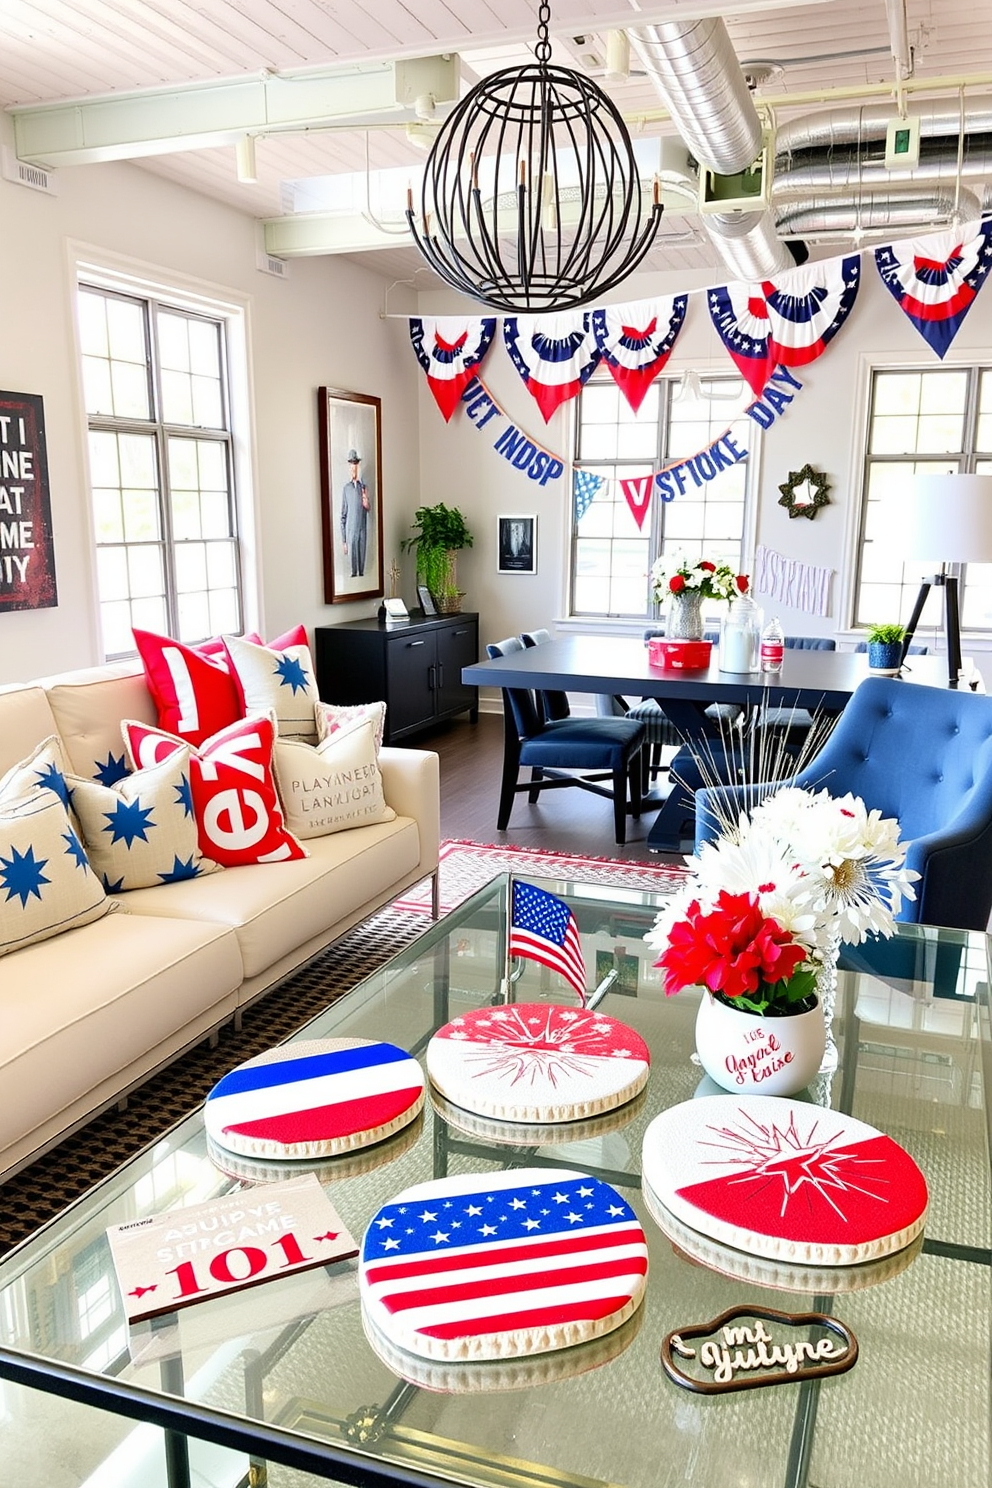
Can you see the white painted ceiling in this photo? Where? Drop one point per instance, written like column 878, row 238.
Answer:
column 56, row 50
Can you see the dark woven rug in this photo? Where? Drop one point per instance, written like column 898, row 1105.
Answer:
column 45, row 1187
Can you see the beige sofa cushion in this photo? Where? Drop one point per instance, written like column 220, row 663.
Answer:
column 93, row 1001
column 275, row 907
column 25, row 719
column 88, row 707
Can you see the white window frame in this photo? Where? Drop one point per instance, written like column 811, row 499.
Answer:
column 117, row 273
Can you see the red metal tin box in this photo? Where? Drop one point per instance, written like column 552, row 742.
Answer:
column 687, row 656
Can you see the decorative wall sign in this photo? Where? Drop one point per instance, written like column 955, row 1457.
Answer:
column 27, row 554
column 804, row 492
column 350, row 494
column 747, row 1356
column 171, row 1260
column 801, row 586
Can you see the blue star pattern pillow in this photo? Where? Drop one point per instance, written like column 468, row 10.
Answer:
column 46, row 882
column 279, row 682
column 141, row 832
column 46, row 767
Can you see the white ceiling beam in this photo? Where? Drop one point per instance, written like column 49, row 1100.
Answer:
column 197, row 116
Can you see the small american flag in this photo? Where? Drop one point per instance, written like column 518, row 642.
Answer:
column 544, row 929
column 463, row 1258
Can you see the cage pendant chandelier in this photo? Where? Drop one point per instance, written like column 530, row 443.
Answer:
column 531, row 198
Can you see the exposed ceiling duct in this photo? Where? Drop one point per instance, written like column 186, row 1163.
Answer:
column 695, row 70
column 822, row 216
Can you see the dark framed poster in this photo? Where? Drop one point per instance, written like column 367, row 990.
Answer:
column 350, row 494
column 27, row 551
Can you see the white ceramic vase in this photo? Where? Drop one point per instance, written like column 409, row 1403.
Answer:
column 749, row 1054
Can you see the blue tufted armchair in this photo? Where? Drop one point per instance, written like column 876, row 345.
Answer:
column 923, row 755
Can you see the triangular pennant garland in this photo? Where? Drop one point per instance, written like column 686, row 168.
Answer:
column 584, row 488
column 450, row 350
column 935, row 285
column 807, row 306
column 740, row 315
column 554, row 354
column 636, row 340
column 637, row 494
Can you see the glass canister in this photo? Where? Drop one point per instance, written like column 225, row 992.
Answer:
column 740, row 636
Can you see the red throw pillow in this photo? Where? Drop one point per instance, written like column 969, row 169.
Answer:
column 194, row 693
column 237, row 809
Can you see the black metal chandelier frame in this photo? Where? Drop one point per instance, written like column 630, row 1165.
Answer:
column 557, row 245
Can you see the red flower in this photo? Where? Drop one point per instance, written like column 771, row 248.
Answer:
column 733, row 949
column 743, row 583
column 709, row 567
column 676, row 584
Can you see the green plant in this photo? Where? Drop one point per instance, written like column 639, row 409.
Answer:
column 886, row 635
column 438, row 531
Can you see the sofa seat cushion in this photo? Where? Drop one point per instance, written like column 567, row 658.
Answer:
column 87, row 1004
column 25, row 718
column 275, row 907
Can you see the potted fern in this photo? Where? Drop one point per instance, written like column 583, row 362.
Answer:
column 439, row 532
column 885, row 647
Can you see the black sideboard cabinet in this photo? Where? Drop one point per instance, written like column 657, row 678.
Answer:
column 415, row 667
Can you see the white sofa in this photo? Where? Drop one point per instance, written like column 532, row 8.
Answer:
column 88, row 1014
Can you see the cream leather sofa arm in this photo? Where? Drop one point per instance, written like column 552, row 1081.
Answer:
column 411, row 785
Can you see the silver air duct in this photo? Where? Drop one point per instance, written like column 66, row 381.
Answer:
column 853, row 126
column 695, row 70
column 872, row 213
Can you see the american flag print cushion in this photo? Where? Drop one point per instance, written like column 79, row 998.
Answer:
column 499, row 1265
column 537, row 1062
column 315, row 1098
column 784, row 1179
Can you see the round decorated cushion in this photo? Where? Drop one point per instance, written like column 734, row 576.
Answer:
column 537, row 1062
column 499, row 1265
column 315, row 1099
column 784, row 1179
column 257, row 1170
column 537, row 1133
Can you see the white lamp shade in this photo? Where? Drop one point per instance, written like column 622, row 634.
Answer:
column 946, row 519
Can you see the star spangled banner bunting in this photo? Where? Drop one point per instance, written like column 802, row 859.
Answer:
column 635, row 341
column 585, row 485
column 543, row 928
column 450, row 350
column 785, row 322
column 935, row 280
column 554, row 354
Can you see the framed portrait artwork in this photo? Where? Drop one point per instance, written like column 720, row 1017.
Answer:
column 516, row 544
column 349, row 426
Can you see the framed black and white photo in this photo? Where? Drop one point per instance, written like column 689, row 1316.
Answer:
column 516, row 544
column 350, row 494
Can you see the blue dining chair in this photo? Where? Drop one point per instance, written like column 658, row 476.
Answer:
column 597, row 749
column 920, row 754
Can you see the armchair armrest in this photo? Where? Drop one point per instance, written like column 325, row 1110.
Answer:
column 411, row 785
column 954, row 864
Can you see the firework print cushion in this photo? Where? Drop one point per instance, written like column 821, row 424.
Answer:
column 277, row 679
column 537, row 1062
column 784, row 1179
column 315, row 1099
column 499, row 1265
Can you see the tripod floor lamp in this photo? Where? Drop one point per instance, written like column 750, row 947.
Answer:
column 946, row 518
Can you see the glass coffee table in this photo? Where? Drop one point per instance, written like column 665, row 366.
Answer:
column 278, row 1383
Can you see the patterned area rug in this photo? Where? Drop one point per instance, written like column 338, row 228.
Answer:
column 44, row 1188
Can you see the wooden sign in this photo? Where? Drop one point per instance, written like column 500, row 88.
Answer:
column 739, row 1353
column 171, row 1260
column 27, row 554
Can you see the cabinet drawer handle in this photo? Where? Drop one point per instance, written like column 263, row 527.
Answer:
column 459, row 632
column 418, row 643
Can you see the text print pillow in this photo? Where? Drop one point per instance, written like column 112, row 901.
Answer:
column 280, row 680
column 333, row 787
column 234, row 793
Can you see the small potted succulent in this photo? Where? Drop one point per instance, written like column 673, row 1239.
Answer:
column 885, row 647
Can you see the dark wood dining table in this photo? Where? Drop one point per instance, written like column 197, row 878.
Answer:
column 820, row 681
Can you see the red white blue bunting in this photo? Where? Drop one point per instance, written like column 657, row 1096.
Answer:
column 554, row 354
column 450, row 350
column 785, row 322
column 585, row 485
column 934, row 281
column 636, row 340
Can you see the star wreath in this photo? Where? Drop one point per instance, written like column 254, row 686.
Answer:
column 804, row 492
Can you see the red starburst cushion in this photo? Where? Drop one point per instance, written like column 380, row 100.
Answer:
column 537, row 1062
column 238, row 816
column 784, row 1179
column 194, row 692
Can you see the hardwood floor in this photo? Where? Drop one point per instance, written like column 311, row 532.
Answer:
column 572, row 820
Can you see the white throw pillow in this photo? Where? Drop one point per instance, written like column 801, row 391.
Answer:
column 333, row 717
column 46, row 766
column 333, row 786
column 279, row 682
column 142, row 831
column 46, row 883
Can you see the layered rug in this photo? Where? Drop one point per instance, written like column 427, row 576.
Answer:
column 48, row 1185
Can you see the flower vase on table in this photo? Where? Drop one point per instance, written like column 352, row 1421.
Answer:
column 684, row 584
column 685, row 616
column 760, row 925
